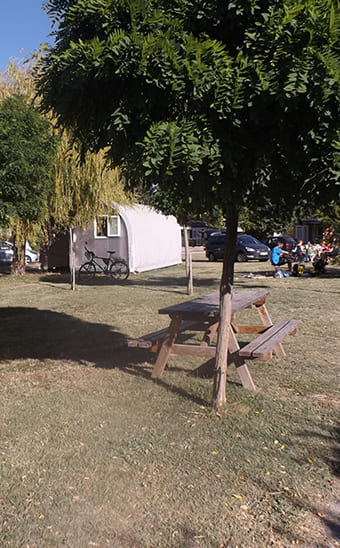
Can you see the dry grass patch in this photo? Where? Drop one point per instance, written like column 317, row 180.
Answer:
column 95, row 453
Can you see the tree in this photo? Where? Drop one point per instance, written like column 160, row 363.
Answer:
column 27, row 149
column 214, row 102
column 80, row 192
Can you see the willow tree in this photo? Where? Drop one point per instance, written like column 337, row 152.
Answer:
column 214, row 101
column 74, row 192
column 81, row 192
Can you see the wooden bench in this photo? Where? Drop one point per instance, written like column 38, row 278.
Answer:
column 270, row 340
column 152, row 341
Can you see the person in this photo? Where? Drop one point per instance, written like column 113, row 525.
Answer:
column 334, row 249
column 279, row 256
column 310, row 252
column 300, row 251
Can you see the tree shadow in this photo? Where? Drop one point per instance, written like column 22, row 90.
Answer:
column 168, row 284
column 29, row 333
column 327, row 511
column 331, row 513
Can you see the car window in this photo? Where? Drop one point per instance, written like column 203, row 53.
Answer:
column 247, row 240
column 219, row 240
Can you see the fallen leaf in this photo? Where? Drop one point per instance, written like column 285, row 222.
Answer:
column 238, row 497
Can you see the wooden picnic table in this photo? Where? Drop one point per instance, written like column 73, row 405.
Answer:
column 202, row 314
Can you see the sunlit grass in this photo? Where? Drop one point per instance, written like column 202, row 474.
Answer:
column 95, row 453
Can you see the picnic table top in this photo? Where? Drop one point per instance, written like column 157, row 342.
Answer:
column 207, row 307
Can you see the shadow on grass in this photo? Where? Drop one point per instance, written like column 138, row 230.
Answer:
column 160, row 284
column 327, row 511
column 29, row 333
column 133, row 281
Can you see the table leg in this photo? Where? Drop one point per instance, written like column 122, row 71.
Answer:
column 165, row 349
column 240, row 364
column 264, row 315
column 210, row 334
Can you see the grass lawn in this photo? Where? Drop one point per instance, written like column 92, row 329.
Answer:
column 95, row 453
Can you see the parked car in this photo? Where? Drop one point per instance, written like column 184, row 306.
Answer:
column 288, row 243
column 31, row 256
column 6, row 253
column 247, row 248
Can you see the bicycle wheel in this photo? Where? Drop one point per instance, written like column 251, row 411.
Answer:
column 119, row 270
column 86, row 272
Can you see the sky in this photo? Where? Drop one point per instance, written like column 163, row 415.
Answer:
column 23, row 26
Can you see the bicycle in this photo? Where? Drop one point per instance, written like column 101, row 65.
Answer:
column 116, row 268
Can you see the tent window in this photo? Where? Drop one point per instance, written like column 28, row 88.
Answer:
column 114, row 225
column 105, row 226
column 100, row 227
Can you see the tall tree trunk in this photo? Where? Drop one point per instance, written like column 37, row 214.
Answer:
column 44, row 257
column 186, row 248
column 190, row 290
column 72, row 259
column 18, row 266
column 188, row 261
column 44, row 248
column 227, row 280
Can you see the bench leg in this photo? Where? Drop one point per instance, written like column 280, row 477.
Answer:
column 243, row 373
column 165, row 349
column 266, row 320
column 241, row 367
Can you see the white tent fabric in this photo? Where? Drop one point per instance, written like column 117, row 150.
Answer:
column 154, row 239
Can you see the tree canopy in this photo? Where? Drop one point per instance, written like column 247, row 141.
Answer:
column 214, row 100
column 27, row 150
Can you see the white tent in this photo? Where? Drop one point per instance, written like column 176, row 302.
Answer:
column 153, row 239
